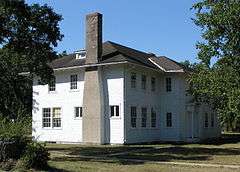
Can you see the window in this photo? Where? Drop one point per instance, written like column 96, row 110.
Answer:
column 133, row 116
column 153, row 84
column 169, row 119
column 144, row 117
column 114, row 111
column 144, row 82
column 78, row 112
column 133, row 80
column 73, row 82
column 51, row 117
column 56, row 117
column 168, row 84
column 52, row 85
column 206, row 120
column 212, row 120
column 46, row 121
column 153, row 118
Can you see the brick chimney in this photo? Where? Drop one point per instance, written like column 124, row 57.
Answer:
column 93, row 97
column 93, row 37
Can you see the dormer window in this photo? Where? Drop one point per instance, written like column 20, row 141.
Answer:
column 81, row 54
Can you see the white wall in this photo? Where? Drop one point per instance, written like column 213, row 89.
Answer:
column 114, row 95
column 71, row 130
column 160, row 100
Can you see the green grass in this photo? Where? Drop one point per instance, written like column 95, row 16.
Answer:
column 225, row 151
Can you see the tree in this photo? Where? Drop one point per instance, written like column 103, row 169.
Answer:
column 216, row 79
column 28, row 34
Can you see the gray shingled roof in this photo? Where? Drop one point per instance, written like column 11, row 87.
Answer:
column 113, row 52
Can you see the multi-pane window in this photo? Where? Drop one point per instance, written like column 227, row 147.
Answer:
column 212, row 120
column 168, row 84
column 52, row 84
column 144, row 117
column 73, row 82
column 46, row 120
column 114, row 111
column 153, row 118
column 169, row 119
column 78, row 112
column 133, row 116
column 153, row 84
column 51, row 117
column 56, row 117
column 206, row 120
column 144, row 82
column 133, row 80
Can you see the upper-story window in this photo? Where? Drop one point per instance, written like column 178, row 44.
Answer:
column 114, row 111
column 133, row 80
column 168, row 84
column 133, row 116
column 169, row 119
column 78, row 112
column 144, row 82
column 73, row 82
column 153, row 84
column 52, row 84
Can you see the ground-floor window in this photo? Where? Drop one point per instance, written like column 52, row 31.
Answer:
column 133, row 116
column 114, row 111
column 206, row 120
column 153, row 118
column 212, row 119
column 51, row 117
column 144, row 117
column 78, row 112
column 169, row 119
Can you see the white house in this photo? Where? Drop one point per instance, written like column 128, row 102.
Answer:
column 115, row 94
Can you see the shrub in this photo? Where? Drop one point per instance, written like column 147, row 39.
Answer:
column 13, row 139
column 36, row 156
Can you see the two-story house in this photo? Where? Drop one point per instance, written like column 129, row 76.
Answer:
column 111, row 93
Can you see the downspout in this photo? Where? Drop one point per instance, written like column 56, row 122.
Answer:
column 124, row 104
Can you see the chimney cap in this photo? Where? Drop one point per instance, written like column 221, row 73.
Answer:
column 94, row 14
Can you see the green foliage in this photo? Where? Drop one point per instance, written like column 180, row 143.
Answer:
column 28, row 34
column 36, row 156
column 13, row 138
column 216, row 79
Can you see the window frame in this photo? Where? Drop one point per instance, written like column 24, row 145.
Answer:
column 144, row 82
column 153, row 84
column 80, row 112
column 168, row 81
column 52, row 118
column 60, row 117
column 169, row 122
column 212, row 120
column 116, row 108
column 52, row 85
column 133, row 80
column 144, row 117
column 133, row 117
column 73, row 82
column 153, row 112
column 206, row 120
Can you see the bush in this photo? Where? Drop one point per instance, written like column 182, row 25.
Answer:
column 36, row 156
column 13, row 139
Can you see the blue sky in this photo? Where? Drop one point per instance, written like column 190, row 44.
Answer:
column 163, row 27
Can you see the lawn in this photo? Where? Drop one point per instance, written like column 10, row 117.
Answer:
column 117, row 158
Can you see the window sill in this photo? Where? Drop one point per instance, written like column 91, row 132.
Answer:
column 50, row 128
column 52, row 92
column 74, row 90
column 78, row 118
column 115, row 118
